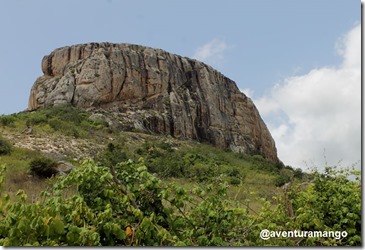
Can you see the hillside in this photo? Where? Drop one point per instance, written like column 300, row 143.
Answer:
column 70, row 134
column 141, row 188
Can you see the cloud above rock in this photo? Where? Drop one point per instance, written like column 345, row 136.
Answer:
column 212, row 52
column 316, row 118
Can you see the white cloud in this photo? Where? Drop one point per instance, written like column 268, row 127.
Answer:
column 211, row 52
column 248, row 92
column 319, row 111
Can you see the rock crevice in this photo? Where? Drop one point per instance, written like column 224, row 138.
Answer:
column 164, row 92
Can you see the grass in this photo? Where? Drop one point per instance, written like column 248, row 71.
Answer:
column 17, row 175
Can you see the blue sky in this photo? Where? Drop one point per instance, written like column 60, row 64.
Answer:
column 262, row 45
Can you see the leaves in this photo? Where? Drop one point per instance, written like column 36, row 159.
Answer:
column 57, row 227
column 146, row 212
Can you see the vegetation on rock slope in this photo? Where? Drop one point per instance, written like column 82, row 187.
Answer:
column 145, row 190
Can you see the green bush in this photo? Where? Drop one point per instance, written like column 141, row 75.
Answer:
column 201, row 172
column 66, row 127
column 281, row 180
column 7, row 120
column 162, row 159
column 37, row 118
column 43, row 167
column 57, row 124
column 65, row 119
column 331, row 202
column 201, row 163
column 298, row 173
column 165, row 146
column 170, row 165
column 235, row 181
column 66, row 113
column 5, row 146
column 258, row 157
column 112, row 155
column 234, row 172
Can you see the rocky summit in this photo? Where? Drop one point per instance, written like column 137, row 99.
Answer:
column 154, row 91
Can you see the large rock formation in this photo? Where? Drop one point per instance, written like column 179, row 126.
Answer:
column 155, row 91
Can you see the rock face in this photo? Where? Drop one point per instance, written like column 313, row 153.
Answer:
column 155, row 91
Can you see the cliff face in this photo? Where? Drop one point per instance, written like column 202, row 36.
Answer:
column 156, row 91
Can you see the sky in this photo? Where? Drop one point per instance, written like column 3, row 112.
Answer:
column 298, row 60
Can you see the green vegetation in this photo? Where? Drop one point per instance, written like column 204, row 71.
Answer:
column 43, row 167
column 146, row 190
column 63, row 119
column 126, row 205
column 7, row 120
column 330, row 203
column 5, row 146
column 201, row 162
column 112, row 155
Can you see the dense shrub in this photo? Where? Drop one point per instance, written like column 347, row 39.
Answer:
column 64, row 119
column 112, row 155
column 234, row 172
column 258, row 157
column 235, row 181
column 201, row 172
column 43, row 167
column 65, row 127
column 298, row 173
column 170, row 165
column 7, row 120
column 281, row 180
column 5, row 146
column 36, row 118
column 66, row 113
column 202, row 163
column 331, row 202
column 165, row 146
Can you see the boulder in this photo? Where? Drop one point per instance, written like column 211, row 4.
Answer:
column 63, row 167
column 154, row 91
